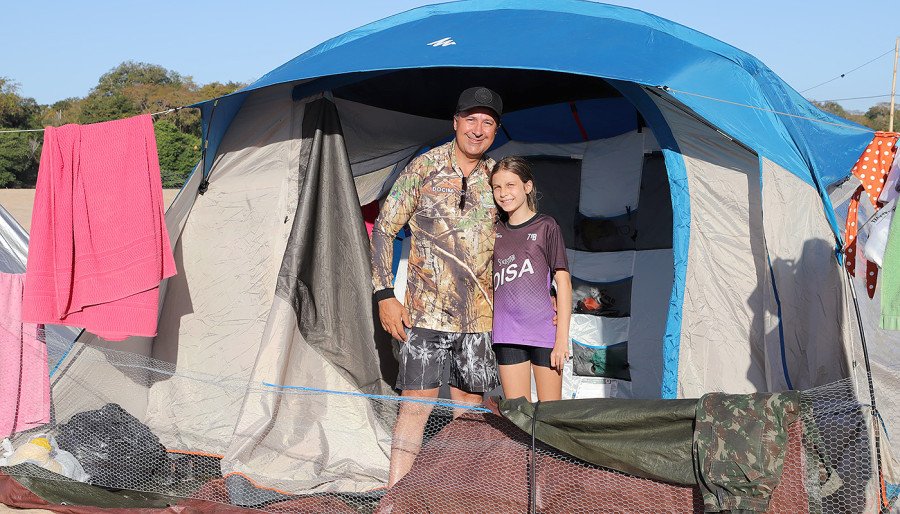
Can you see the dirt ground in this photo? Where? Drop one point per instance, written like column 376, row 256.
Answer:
column 20, row 201
column 4, row 508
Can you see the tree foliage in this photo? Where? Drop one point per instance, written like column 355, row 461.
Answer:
column 876, row 117
column 129, row 89
column 178, row 153
column 16, row 111
column 19, row 155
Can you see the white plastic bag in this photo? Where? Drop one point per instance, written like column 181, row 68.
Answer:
column 53, row 458
column 879, row 228
column 890, row 192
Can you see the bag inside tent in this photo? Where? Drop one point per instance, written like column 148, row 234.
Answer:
column 703, row 262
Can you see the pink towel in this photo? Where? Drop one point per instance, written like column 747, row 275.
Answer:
column 24, row 378
column 99, row 246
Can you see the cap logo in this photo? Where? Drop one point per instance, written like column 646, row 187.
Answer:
column 446, row 41
column 484, row 95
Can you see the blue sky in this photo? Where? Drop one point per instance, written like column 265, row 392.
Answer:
column 57, row 49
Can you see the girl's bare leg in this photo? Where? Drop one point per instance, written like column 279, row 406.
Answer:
column 516, row 380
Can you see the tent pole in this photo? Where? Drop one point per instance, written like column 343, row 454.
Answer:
column 871, row 383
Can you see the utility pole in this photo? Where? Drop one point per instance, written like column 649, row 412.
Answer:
column 893, row 86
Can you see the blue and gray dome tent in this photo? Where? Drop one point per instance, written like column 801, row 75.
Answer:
column 748, row 159
column 690, row 181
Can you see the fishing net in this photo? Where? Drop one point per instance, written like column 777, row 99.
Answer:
column 469, row 458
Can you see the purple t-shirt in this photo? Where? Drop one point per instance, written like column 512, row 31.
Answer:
column 525, row 257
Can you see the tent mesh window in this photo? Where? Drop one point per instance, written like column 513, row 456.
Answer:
column 471, row 459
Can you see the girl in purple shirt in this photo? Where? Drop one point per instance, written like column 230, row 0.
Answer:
column 529, row 252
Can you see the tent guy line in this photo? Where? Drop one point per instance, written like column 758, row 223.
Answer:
column 698, row 95
column 167, row 111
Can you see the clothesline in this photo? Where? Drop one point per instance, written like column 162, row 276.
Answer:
column 664, row 88
column 14, row 131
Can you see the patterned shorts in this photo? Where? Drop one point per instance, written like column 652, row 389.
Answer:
column 473, row 365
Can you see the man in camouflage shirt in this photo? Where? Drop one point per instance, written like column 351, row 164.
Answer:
column 445, row 196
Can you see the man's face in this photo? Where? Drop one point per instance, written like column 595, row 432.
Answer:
column 475, row 131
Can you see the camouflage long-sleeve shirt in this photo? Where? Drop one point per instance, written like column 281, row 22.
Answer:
column 449, row 281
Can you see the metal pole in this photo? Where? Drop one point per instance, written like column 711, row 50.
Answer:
column 871, row 384
column 893, row 86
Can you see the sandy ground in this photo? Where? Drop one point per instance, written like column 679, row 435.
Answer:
column 20, row 201
column 4, row 508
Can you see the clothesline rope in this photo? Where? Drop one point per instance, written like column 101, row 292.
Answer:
column 14, row 131
column 807, row 118
column 664, row 88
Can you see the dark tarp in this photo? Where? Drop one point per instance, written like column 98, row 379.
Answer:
column 645, row 438
column 325, row 273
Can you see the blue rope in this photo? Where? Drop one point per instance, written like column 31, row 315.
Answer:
column 379, row 397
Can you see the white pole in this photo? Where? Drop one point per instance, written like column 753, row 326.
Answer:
column 893, row 86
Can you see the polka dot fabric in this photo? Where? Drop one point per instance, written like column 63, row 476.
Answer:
column 871, row 169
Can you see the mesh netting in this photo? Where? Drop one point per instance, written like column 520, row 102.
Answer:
column 470, row 459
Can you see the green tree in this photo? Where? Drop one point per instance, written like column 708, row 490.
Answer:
column 97, row 108
column 879, row 114
column 62, row 112
column 19, row 154
column 178, row 153
column 16, row 111
column 128, row 89
column 131, row 73
column 833, row 108
column 876, row 118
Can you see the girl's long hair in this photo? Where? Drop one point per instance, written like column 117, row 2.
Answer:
column 522, row 169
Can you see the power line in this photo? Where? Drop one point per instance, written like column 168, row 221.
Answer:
column 842, row 75
column 854, row 98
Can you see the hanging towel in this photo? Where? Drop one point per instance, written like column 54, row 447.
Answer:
column 871, row 169
column 890, row 284
column 24, row 377
column 99, row 245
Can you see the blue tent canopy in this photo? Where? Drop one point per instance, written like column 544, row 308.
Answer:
column 576, row 55
column 729, row 88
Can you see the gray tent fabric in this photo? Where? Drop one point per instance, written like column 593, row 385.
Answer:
column 646, row 438
column 13, row 244
column 325, row 274
column 291, row 433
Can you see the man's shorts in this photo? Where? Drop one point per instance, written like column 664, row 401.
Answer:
column 473, row 365
column 518, row 353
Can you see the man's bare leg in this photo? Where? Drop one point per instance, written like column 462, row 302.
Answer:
column 458, row 395
column 408, row 432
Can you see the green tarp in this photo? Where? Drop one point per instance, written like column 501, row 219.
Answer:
column 646, row 438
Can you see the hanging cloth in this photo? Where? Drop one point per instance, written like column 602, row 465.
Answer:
column 871, row 169
column 99, row 245
column 24, row 376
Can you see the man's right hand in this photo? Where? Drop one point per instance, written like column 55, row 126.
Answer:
column 394, row 318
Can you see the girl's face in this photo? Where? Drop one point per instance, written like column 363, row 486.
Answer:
column 510, row 192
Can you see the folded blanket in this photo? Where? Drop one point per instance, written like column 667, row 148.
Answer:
column 24, row 378
column 99, row 246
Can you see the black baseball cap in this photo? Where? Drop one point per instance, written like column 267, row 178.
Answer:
column 479, row 97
